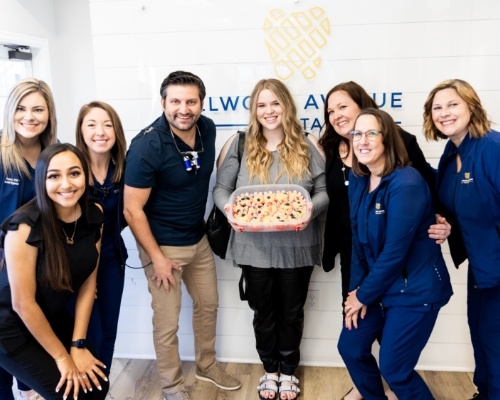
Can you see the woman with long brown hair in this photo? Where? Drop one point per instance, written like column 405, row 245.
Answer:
column 100, row 137
column 51, row 247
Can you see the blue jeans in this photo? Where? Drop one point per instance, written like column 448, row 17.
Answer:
column 404, row 332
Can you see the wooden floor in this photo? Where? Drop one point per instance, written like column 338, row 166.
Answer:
column 138, row 380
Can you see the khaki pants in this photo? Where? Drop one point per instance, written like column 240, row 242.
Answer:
column 199, row 276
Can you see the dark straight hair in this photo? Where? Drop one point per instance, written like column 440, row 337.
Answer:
column 330, row 139
column 55, row 272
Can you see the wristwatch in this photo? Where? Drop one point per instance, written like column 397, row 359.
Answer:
column 79, row 343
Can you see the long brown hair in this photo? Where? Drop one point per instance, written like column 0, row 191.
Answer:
column 118, row 150
column 55, row 272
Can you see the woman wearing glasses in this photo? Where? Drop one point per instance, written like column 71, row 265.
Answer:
column 100, row 137
column 399, row 280
column 344, row 102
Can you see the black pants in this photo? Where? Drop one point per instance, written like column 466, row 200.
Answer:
column 345, row 270
column 28, row 361
column 277, row 297
column 6, row 382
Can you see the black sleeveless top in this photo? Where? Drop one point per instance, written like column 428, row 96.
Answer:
column 82, row 256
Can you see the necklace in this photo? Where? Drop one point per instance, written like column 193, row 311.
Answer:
column 102, row 176
column 344, row 153
column 71, row 240
column 346, row 181
column 99, row 175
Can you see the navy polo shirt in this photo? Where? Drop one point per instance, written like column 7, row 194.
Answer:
column 176, row 206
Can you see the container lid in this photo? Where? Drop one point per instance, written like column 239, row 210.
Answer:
column 270, row 208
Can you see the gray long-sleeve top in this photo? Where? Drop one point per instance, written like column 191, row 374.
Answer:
column 287, row 249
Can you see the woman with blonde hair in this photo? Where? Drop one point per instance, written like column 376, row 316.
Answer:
column 276, row 266
column 100, row 137
column 29, row 126
column 468, row 185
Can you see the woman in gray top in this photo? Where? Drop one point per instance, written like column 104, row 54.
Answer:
column 277, row 266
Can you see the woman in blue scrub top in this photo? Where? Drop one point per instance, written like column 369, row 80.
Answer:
column 399, row 280
column 29, row 126
column 100, row 137
column 468, row 186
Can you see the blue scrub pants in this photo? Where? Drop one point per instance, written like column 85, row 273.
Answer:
column 103, row 324
column 404, row 332
column 483, row 312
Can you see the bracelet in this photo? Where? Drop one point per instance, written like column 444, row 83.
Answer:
column 61, row 359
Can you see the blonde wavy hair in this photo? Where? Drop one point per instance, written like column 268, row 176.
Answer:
column 294, row 153
column 479, row 123
column 10, row 148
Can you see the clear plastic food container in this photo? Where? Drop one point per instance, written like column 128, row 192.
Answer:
column 270, row 208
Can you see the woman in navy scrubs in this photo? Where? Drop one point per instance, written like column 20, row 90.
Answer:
column 469, row 191
column 399, row 280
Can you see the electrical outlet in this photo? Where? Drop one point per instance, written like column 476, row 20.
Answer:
column 312, row 302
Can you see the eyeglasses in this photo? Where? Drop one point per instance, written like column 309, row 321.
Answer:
column 371, row 135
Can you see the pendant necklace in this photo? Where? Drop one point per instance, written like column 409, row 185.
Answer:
column 98, row 175
column 71, row 240
column 346, row 181
column 345, row 151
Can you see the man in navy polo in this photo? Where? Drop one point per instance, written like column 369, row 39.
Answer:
column 168, row 170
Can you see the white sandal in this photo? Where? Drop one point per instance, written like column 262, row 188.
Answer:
column 268, row 386
column 293, row 388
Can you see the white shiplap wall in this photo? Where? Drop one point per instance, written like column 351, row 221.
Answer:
column 392, row 45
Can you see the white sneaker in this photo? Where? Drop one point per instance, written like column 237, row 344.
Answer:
column 180, row 395
column 28, row 395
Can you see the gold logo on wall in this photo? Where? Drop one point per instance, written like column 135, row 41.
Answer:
column 294, row 40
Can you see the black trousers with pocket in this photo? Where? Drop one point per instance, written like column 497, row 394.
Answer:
column 277, row 297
